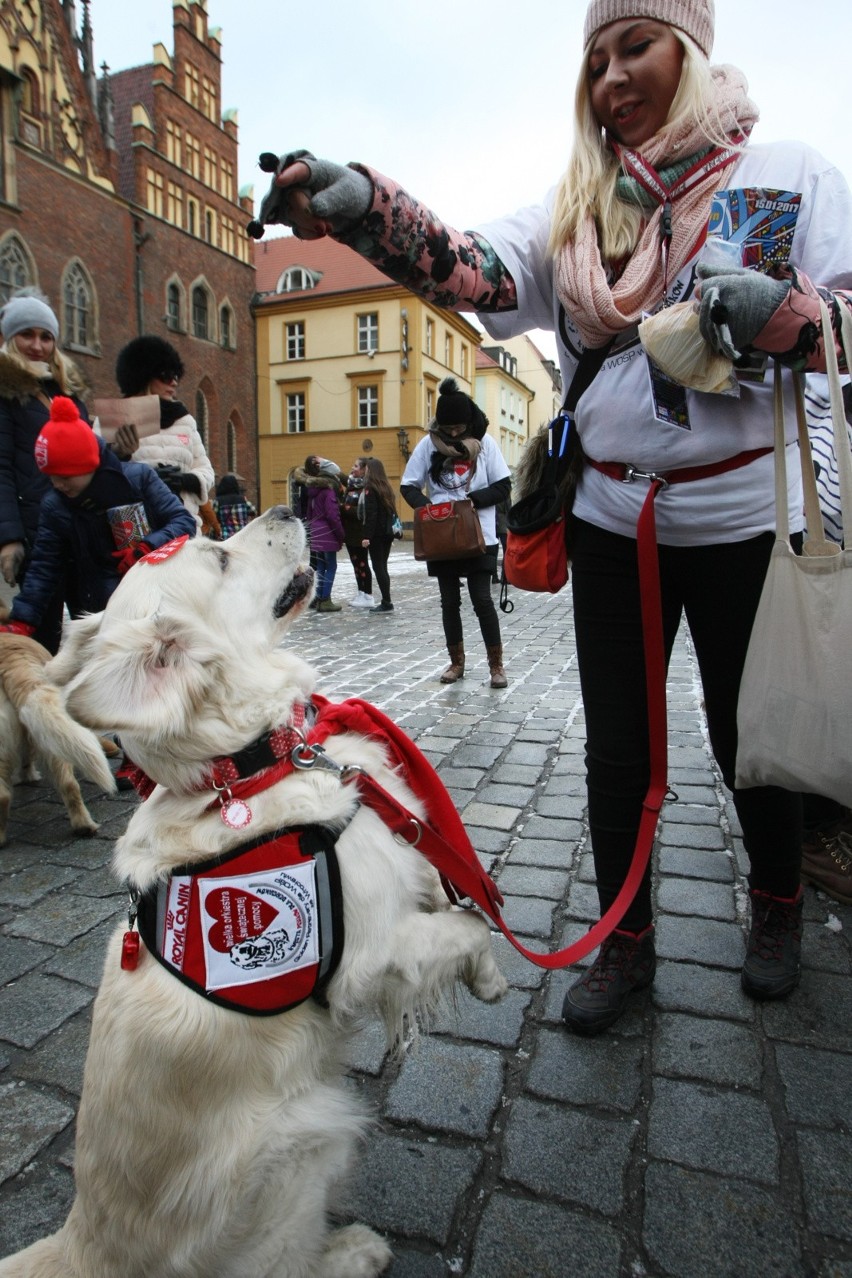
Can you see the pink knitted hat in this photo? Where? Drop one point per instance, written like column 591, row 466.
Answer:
column 695, row 17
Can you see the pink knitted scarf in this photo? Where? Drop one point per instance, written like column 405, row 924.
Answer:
column 600, row 309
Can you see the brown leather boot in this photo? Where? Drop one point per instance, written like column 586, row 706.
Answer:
column 455, row 670
column 495, row 665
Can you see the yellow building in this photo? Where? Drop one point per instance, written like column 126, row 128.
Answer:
column 348, row 362
column 504, row 399
column 536, row 372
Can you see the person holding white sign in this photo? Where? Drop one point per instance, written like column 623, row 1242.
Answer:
column 149, row 365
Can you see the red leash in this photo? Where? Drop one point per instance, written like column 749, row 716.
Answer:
column 451, row 852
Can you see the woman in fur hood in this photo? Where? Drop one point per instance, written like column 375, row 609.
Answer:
column 32, row 372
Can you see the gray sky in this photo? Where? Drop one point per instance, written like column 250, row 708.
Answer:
column 469, row 105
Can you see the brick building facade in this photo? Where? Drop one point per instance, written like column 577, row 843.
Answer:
column 118, row 199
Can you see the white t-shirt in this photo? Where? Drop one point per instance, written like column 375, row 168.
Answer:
column 490, row 467
column 780, row 202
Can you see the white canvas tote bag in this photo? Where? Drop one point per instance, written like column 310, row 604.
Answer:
column 794, row 716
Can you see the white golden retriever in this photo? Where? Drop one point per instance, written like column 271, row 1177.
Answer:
column 209, row 1140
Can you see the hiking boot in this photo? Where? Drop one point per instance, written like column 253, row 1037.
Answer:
column 455, row 670
column 827, row 858
column 830, row 868
column 625, row 963
column 495, row 665
column 326, row 605
column 772, row 968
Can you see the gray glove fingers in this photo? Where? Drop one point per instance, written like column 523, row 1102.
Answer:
column 706, row 271
column 274, row 207
column 339, row 192
column 749, row 299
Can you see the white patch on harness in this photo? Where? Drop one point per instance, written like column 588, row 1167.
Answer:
column 253, row 926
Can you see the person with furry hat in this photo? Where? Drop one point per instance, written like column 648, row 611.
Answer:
column 459, row 459
column 666, row 198
column 150, row 365
column 32, row 371
column 87, row 484
column 321, row 492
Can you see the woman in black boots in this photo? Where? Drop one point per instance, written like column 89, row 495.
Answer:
column 458, row 459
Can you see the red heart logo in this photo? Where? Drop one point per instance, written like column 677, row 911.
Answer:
column 238, row 915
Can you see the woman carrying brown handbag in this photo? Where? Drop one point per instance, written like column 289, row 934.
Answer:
column 457, row 459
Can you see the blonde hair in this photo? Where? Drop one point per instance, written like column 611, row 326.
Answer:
column 65, row 373
column 588, row 186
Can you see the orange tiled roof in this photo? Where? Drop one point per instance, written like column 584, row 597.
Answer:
column 342, row 269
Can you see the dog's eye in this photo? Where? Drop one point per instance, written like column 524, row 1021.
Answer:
column 224, row 560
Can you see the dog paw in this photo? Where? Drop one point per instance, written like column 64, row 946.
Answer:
column 355, row 1252
column 488, row 983
column 87, row 831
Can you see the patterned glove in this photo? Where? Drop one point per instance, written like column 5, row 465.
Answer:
column 126, row 558
column 340, row 195
column 736, row 304
column 17, row 628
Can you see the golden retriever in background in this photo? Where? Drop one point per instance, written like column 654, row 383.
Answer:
column 36, row 728
column 209, row 1141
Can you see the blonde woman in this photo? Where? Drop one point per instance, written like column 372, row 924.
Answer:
column 664, row 157
column 32, row 371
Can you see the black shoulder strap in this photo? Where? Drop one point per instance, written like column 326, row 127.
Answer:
column 589, row 365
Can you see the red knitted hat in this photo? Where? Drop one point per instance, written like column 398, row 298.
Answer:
column 66, row 445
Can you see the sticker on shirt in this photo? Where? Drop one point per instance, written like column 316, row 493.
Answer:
column 259, row 925
column 761, row 220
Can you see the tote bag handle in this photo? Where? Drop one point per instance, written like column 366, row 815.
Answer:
column 817, row 543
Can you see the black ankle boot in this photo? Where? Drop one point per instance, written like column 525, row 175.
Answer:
column 625, row 962
column 772, row 968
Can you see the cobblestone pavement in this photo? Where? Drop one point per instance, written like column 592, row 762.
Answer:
column 707, row 1135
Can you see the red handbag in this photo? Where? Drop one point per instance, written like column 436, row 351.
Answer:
column 537, row 561
column 537, row 536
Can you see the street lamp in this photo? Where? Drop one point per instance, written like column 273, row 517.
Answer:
column 402, row 440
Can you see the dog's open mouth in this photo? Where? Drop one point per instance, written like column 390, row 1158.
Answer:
column 295, row 591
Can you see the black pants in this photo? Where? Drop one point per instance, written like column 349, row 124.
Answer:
column 479, row 589
column 379, row 551
column 718, row 589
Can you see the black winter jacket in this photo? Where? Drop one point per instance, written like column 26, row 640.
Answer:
column 76, row 531
column 22, row 415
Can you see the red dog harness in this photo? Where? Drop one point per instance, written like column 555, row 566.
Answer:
column 258, row 930
column 442, row 839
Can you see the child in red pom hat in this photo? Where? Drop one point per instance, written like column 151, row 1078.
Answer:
column 66, row 445
column 78, row 517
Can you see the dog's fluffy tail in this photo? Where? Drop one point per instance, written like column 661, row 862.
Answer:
column 55, row 734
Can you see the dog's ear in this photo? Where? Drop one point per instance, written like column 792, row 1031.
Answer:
column 78, row 639
column 145, row 677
